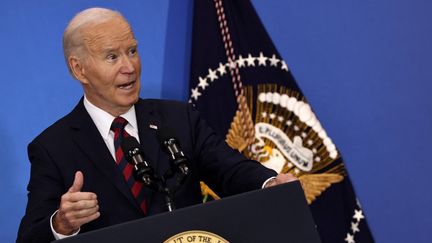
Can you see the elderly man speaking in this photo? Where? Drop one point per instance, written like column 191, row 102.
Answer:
column 79, row 180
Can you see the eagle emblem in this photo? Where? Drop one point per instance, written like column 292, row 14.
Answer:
column 288, row 138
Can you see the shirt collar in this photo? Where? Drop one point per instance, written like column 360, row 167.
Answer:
column 103, row 119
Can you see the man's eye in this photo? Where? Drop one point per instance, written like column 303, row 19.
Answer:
column 133, row 51
column 112, row 57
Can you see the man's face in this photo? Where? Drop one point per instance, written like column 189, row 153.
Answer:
column 111, row 68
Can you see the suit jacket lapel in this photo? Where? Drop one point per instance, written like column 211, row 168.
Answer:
column 148, row 123
column 88, row 138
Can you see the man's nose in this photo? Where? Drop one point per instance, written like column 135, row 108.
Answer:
column 127, row 66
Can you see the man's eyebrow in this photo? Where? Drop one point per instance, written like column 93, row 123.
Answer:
column 108, row 50
column 134, row 43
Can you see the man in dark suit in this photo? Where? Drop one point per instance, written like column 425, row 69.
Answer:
column 75, row 182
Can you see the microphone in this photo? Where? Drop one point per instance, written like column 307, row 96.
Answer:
column 134, row 154
column 169, row 142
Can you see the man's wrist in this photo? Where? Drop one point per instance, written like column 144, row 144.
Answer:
column 269, row 182
column 59, row 233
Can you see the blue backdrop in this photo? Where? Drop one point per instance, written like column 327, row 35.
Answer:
column 362, row 64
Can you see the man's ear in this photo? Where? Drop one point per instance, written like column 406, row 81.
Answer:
column 76, row 66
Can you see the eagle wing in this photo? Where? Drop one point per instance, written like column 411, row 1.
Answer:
column 235, row 137
column 315, row 184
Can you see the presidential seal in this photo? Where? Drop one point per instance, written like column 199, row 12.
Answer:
column 196, row 236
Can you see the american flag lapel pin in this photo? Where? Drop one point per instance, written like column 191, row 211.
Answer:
column 152, row 126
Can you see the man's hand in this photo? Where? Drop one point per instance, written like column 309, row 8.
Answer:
column 76, row 208
column 280, row 179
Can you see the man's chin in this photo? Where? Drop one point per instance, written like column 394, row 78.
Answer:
column 131, row 101
column 135, row 100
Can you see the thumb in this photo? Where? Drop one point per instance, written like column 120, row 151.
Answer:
column 78, row 182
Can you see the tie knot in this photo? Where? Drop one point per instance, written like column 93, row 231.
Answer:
column 119, row 123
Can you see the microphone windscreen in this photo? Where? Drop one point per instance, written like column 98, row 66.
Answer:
column 129, row 143
column 165, row 134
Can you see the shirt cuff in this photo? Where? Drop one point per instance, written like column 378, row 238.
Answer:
column 58, row 236
column 265, row 182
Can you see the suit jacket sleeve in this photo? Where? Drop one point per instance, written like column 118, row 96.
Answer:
column 225, row 170
column 44, row 191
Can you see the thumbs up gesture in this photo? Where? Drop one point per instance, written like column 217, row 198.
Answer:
column 76, row 208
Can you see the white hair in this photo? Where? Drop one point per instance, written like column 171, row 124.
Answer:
column 73, row 41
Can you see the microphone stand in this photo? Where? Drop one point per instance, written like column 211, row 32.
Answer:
column 144, row 173
column 170, row 192
column 159, row 184
column 169, row 195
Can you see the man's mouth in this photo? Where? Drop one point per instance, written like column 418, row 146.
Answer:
column 127, row 86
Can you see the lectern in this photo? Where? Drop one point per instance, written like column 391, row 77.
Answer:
column 276, row 214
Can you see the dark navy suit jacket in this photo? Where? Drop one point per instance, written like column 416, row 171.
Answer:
column 73, row 143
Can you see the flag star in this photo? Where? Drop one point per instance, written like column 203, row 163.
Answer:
column 310, row 142
column 250, row 60
column 304, row 134
column 358, row 214
column 280, row 118
column 203, row 83
column 289, row 123
column 261, row 59
column 296, row 128
column 274, row 61
column 221, row 69
column 349, row 238
column 241, row 61
column 317, row 159
column 284, row 66
column 296, row 171
column 212, row 75
column 354, row 227
column 231, row 64
column 290, row 165
column 272, row 116
column 195, row 93
column 264, row 114
column 314, row 150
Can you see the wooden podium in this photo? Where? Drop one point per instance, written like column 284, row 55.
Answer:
column 276, row 214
